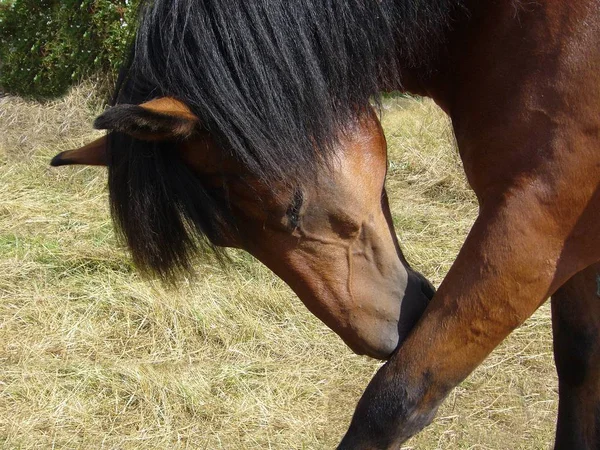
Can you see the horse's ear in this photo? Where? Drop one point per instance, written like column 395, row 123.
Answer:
column 93, row 154
column 158, row 120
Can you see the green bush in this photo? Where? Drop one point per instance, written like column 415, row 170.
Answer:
column 46, row 46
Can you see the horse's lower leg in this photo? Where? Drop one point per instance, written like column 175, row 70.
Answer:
column 515, row 257
column 576, row 326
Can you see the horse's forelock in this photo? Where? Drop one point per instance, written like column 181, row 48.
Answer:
column 161, row 210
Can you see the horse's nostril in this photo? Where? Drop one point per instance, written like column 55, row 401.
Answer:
column 427, row 288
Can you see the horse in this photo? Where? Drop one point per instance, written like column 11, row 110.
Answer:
column 284, row 91
column 332, row 242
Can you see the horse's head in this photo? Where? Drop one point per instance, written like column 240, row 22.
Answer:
column 331, row 240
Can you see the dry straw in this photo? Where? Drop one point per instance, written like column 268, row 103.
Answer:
column 92, row 357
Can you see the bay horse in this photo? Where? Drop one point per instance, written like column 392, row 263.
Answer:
column 331, row 241
column 283, row 90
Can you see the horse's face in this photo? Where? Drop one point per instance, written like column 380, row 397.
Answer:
column 331, row 241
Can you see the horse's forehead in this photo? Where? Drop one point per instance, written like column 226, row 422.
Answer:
column 205, row 156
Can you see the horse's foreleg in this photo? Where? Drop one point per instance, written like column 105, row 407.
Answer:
column 576, row 326
column 518, row 253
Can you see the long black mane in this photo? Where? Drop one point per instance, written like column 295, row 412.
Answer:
column 274, row 81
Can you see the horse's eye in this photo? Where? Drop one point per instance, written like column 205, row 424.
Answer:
column 293, row 212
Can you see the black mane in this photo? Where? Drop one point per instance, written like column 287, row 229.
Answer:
column 274, row 81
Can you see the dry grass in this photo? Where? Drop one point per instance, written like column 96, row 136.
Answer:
column 92, row 357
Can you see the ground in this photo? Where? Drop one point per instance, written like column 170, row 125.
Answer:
column 94, row 357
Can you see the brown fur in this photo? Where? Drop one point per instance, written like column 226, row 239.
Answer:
column 523, row 92
column 334, row 245
column 576, row 326
column 522, row 86
column 92, row 154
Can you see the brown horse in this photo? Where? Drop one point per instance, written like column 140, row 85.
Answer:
column 521, row 82
column 282, row 86
column 332, row 242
